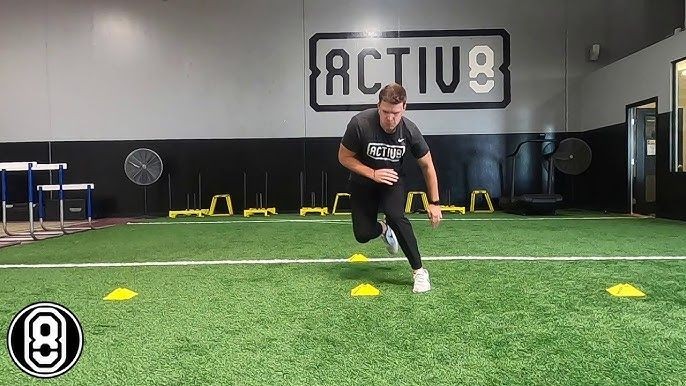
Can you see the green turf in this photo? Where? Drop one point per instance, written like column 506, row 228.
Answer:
column 250, row 239
column 484, row 323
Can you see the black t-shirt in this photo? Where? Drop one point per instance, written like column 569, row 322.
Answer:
column 376, row 148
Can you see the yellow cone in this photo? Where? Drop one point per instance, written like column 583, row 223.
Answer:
column 121, row 294
column 625, row 290
column 365, row 290
column 358, row 258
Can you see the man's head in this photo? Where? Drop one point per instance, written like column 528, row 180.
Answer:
column 392, row 102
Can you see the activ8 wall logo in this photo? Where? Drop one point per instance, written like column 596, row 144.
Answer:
column 440, row 69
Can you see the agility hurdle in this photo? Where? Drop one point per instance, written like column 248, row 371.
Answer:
column 335, row 211
column 6, row 167
column 30, row 167
column 88, row 187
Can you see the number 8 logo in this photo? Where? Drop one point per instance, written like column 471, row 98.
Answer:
column 45, row 340
column 477, row 69
column 35, row 342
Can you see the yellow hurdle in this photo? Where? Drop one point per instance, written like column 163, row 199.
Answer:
column 213, row 205
column 410, row 198
column 335, row 211
column 425, row 203
column 473, row 200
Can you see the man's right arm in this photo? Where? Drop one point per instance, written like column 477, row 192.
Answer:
column 347, row 158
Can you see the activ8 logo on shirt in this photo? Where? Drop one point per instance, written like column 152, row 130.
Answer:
column 385, row 152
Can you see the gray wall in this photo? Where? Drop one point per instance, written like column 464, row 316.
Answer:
column 150, row 69
column 602, row 96
column 122, row 69
column 601, row 99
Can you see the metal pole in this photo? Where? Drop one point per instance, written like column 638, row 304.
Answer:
column 512, row 184
column 322, row 197
column 552, row 175
column 4, row 202
column 169, row 189
column 31, row 202
column 89, row 206
column 61, row 181
column 326, row 189
column 302, row 193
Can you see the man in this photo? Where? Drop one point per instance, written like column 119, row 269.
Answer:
column 372, row 149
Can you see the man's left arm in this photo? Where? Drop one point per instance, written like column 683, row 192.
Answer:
column 429, row 172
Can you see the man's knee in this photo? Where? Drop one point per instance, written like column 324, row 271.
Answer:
column 366, row 232
column 363, row 236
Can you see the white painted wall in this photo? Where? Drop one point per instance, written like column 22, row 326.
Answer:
column 122, row 69
column 152, row 69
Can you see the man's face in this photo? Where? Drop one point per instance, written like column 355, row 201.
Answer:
column 390, row 115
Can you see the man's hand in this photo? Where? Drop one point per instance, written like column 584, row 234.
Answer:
column 382, row 176
column 385, row 176
column 435, row 215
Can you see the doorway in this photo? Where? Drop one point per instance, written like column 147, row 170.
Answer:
column 642, row 150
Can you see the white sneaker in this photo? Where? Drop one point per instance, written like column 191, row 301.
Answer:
column 421, row 281
column 390, row 240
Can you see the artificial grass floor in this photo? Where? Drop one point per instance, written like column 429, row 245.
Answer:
column 238, row 238
column 484, row 322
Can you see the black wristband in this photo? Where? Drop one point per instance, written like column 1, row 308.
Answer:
column 434, row 202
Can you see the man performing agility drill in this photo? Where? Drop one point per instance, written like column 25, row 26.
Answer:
column 372, row 148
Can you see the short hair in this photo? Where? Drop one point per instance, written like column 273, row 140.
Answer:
column 393, row 93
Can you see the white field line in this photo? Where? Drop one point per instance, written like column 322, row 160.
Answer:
column 337, row 261
column 349, row 221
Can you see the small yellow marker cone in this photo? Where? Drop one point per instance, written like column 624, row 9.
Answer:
column 121, row 294
column 365, row 290
column 625, row 290
column 358, row 258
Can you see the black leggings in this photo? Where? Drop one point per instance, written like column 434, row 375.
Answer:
column 367, row 200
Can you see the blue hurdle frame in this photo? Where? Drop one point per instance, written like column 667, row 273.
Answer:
column 89, row 206
column 3, row 182
column 32, row 235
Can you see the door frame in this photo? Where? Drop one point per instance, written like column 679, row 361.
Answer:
column 673, row 135
column 630, row 143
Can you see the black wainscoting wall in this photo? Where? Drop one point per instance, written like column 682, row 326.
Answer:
column 671, row 186
column 604, row 185
column 463, row 163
